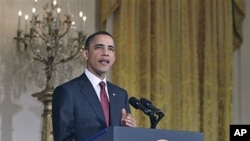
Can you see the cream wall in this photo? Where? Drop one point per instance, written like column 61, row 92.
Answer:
column 20, row 114
column 241, row 91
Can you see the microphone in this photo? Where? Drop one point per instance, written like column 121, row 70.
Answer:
column 149, row 105
column 137, row 105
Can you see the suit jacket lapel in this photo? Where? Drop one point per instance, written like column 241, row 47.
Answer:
column 113, row 102
column 89, row 93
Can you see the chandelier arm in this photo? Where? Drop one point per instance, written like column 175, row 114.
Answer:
column 42, row 34
column 25, row 44
column 41, row 60
column 34, row 30
column 38, row 57
column 21, row 40
column 64, row 60
column 65, row 32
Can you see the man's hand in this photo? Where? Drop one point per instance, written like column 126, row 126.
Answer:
column 127, row 119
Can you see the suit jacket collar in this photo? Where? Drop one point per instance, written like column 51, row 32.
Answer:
column 89, row 93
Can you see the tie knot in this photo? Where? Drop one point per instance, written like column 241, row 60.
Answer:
column 102, row 84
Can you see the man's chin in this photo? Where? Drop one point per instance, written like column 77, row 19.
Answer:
column 102, row 72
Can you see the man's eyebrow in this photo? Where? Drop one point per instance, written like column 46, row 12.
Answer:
column 99, row 45
column 111, row 46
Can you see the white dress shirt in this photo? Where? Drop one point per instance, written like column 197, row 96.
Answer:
column 95, row 83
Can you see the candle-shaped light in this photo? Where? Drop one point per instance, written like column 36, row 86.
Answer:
column 81, row 22
column 26, row 24
column 80, row 14
column 72, row 26
column 35, row 2
column 84, row 18
column 54, row 2
column 33, row 18
column 34, row 10
column 19, row 20
column 68, row 7
column 58, row 18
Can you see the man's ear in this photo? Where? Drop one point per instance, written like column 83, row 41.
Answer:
column 85, row 54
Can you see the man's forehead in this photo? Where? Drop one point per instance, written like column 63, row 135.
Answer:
column 107, row 40
column 104, row 37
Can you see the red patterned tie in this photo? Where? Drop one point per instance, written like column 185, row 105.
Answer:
column 104, row 102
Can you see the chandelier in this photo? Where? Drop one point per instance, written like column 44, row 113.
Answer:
column 49, row 47
column 49, row 44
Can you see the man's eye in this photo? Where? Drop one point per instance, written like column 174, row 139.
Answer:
column 112, row 49
column 98, row 47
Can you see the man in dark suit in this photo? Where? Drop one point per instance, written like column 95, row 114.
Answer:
column 77, row 112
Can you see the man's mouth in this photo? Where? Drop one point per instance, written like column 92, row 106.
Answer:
column 104, row 61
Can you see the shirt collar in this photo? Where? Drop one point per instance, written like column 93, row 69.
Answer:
column 94, row 79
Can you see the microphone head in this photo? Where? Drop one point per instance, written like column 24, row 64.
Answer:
column 134, row 102
column 149, row 105
column 144, row 101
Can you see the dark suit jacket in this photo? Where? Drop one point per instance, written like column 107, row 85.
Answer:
column 77, row 113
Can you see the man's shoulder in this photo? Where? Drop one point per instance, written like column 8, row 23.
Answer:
column 114, row 86
column 73, row 81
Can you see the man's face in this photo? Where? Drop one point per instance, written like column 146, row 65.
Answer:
column 101, row 55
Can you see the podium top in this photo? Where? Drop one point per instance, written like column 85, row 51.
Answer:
column 118, row 133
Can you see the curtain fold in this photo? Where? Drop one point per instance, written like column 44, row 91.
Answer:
column 238, row 17
column 178, row 54
column 106, row 8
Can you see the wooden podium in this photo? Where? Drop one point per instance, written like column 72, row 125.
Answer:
column 118, row 133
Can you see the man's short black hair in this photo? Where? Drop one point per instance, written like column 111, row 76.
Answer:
column 92, row 36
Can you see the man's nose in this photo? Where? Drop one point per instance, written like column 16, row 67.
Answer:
column 105, row 51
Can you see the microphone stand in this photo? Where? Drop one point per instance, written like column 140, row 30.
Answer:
column 154, row 120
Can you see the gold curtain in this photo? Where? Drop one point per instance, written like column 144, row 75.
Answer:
column 178, row 54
